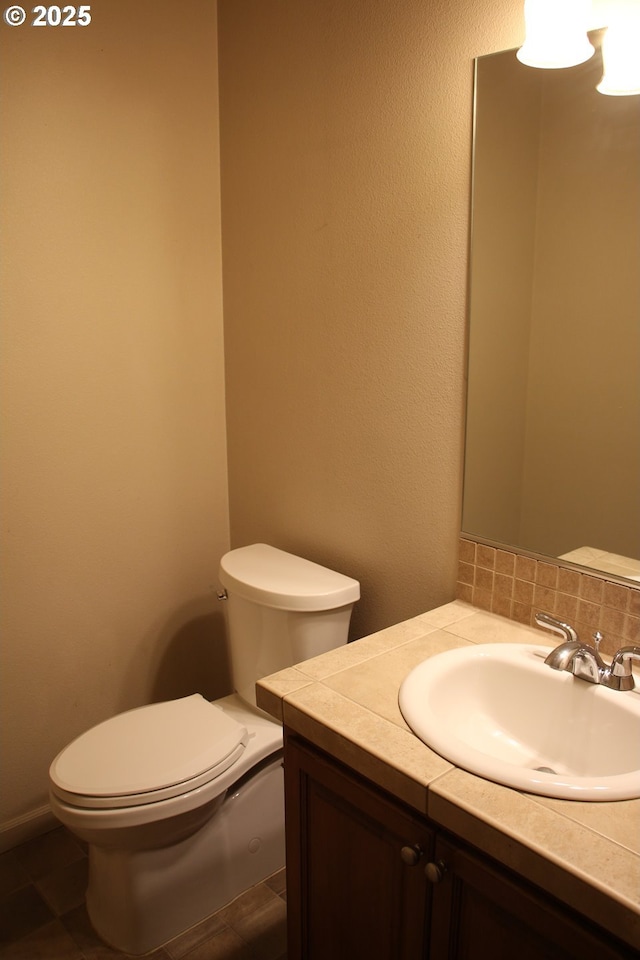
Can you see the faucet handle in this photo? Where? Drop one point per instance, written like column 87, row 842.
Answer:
column 619, row 676
column 557, row 626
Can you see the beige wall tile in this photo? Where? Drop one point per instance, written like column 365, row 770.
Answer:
column 547, row 575
column 569, row 581
column 523, row 591
column 468, row 551
column 591, row 588
column 505, row 563
column 484, row 579
column 525, row 568
column 586, row 601
column 485, row 556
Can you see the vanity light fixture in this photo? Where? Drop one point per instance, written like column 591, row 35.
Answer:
column 556, row 33
column 621, row 55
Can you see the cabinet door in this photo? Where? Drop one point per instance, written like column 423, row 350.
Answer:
column 480, row 911
column 351, row 894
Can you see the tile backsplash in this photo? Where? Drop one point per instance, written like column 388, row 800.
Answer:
column 517, row 586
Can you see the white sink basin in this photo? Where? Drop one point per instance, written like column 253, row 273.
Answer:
column 499, row 711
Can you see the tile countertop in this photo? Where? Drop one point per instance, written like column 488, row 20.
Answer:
column 346, row 703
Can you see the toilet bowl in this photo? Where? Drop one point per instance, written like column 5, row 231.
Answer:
column 182, row 803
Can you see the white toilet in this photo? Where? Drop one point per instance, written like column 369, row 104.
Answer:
column 182, row 803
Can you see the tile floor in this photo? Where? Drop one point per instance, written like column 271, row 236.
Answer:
column 42, row 913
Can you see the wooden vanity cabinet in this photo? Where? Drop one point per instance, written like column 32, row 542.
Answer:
column 350, row 894
column 357, row 887
column 481, row 911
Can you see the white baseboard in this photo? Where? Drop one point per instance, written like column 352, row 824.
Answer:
column 27, row 827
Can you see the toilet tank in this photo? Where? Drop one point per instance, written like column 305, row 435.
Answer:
column 280, row 610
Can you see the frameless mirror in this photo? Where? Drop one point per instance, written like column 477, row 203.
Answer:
column 552, row 459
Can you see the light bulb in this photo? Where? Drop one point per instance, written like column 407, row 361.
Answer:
column 621, row 57
column 556, row 33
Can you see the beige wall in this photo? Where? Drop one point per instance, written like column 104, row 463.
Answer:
column 345, row 157
column 114, row 487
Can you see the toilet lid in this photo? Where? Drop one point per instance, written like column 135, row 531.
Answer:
column 149, row 754
column 268, row 576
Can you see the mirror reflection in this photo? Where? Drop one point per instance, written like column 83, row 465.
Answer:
column 552, row 461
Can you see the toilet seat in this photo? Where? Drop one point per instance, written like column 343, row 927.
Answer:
column 148, row 754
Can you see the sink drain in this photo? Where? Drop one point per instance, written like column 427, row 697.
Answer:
column 544, row 769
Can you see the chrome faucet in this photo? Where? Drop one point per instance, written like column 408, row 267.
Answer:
column 584, row 661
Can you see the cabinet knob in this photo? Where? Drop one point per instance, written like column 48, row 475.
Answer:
column 411, row 855
column 435, row 871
